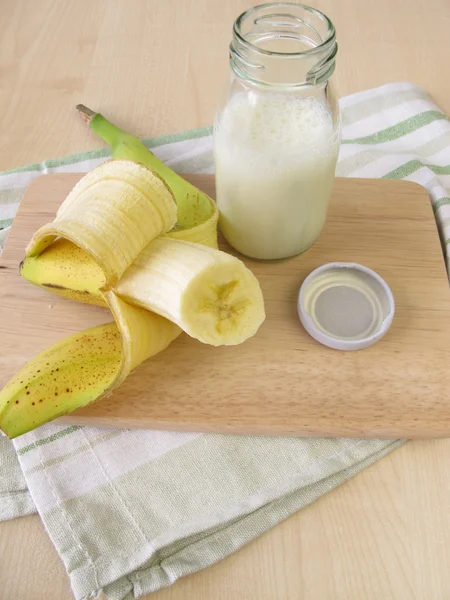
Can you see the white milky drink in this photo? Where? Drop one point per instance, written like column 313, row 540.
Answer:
column 275, row 158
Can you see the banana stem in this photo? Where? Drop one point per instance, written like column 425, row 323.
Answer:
column 108, row 132
column 86, row 113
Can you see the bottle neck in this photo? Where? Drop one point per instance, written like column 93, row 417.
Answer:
column 283, row 45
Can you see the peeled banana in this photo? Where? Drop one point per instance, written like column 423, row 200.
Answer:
column 69, row 271
column 174, row 278
column 112, row 213
column 66, row 268
column 121, row 241
column 210, row 294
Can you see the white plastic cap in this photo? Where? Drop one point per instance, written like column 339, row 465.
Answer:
column 345, row 306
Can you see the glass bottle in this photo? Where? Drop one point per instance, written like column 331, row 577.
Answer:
column 277, row 137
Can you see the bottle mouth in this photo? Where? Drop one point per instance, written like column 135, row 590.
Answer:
column 295, row 39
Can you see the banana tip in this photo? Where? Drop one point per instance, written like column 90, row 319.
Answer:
column 86, row 113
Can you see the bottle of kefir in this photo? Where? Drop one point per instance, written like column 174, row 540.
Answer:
column 276, row 139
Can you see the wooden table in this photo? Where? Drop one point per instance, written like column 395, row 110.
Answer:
column 158, row 67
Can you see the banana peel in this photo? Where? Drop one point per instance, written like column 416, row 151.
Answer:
column 65, row 267
column 115, row 233
column 112, row 213
column 68, row 271
column 70, row 257
column 49, row 385
column 83, row 367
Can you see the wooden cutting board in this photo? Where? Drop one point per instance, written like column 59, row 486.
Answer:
column 281, row 381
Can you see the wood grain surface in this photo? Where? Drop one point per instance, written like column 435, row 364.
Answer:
column 159, row 67
column 281, row 381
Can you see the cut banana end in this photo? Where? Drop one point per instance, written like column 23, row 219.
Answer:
column 82, row 368
column 112, row 213
column 211, row 295
column 222, row 305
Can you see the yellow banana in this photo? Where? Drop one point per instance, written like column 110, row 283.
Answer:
column 66, row 269
column 69, row 271
column 120, row 240
column 211, row 295
column 161, row 279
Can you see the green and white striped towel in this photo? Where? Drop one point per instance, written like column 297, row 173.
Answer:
column 132, row 511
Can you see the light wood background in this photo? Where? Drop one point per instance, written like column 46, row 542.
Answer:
column 158, row 67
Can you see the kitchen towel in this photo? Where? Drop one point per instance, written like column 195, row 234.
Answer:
column 132, row 511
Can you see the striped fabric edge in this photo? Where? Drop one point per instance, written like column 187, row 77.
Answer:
column 154, row 142
column 220, row 542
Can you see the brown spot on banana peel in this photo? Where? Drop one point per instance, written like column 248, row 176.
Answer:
column 56, row 287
